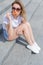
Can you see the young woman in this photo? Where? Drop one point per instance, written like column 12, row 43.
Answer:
column 15, row 24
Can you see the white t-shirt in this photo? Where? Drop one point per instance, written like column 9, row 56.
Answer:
column 15, row 22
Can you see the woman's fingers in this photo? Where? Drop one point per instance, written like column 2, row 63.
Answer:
column 8, row 16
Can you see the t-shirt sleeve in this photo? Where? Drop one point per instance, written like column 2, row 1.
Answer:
column 5, row 22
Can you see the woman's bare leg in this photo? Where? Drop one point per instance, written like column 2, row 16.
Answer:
column 31, row 33
column 23, row 29
column 28, row 36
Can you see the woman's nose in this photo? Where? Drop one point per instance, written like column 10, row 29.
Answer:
column 15, row 10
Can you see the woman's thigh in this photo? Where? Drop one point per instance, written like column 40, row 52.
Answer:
column 17, row 31
column 20, row 29
column 14, row 35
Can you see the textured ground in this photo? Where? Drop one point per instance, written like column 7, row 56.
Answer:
column 12, row 53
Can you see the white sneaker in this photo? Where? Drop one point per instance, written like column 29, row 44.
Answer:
column 37, row 46
column 33, row 48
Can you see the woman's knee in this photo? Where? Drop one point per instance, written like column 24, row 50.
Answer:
column 27, row 23
column 22, row 28
column 25, row 26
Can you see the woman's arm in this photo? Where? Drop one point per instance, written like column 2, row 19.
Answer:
column 8, row 26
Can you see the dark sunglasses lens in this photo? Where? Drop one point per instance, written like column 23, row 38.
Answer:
column 13, row 8
column 18, row 9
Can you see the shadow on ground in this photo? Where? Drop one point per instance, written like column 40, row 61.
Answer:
column 19, row 40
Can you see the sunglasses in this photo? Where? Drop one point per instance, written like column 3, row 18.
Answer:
column 17, row 9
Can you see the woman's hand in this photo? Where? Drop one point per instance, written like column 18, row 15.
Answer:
column 8, row 16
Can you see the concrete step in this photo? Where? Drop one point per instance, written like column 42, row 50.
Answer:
column 1, row 1
column 20, row 55
column 6, row 46
column 32, row 8
column 4, row 4
column 9, row 53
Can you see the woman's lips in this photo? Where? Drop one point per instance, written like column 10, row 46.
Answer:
column 15, row 13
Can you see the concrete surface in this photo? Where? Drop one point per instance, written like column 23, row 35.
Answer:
column 12, row 53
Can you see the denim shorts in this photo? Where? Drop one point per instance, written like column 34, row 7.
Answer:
column 5, row 34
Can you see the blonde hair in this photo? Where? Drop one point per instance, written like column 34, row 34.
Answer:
column 23, row 12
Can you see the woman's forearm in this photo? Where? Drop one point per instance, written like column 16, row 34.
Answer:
column 10, row 29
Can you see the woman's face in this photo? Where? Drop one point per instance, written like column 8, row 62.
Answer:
column 16, row 9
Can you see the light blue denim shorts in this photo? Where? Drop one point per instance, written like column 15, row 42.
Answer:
column 5, row 34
